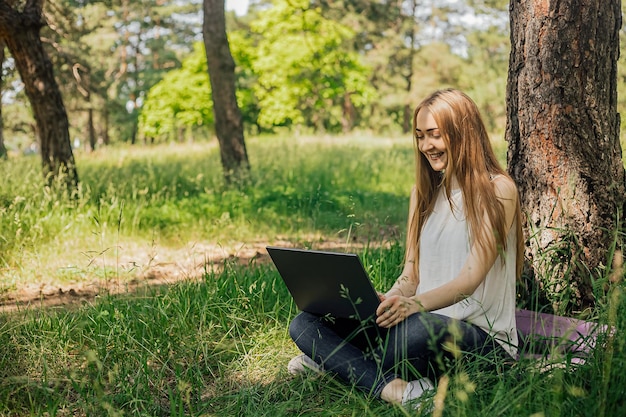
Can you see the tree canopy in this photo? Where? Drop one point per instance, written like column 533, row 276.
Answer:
column 180, row 101
column 307, row 72
column 317, row 66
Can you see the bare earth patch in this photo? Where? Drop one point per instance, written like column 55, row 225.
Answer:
column 135, row 270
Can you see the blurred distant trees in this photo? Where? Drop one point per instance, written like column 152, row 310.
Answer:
column 331, row 66
column 307, row 71
column 179, row 106
column 106, row 55
column 128, row 70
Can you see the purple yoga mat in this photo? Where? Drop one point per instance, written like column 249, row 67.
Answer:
column 544, row 334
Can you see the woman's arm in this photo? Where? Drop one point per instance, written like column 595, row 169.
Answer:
column 407, row 282
column 397, row 307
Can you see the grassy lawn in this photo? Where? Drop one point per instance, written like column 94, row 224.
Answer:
column 217, row 344
column 145, row 199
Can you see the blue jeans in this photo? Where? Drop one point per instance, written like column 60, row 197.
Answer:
column 363, row 354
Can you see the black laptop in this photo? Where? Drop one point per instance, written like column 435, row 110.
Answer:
column 327, row 283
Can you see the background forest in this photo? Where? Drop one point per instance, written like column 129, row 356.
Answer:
column 135, row 71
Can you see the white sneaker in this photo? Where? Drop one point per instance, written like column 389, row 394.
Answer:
column 417, row 394
column 301, row 364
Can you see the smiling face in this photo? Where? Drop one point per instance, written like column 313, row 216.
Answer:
column 429, row 140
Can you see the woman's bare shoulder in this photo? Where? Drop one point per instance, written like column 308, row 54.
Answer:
column 505, row 187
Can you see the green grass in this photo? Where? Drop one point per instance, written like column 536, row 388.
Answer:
column 168, row 196
column 218, row 345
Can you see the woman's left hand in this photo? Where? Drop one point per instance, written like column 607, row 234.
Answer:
column 395, row 308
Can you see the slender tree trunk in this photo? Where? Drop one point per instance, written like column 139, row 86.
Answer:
column 83, row 83
column 105, row 129
column 348, row 114
column 3, row 149
column 20, row 31
column 407, row 122
column 91, row 128
column 228, row 120
column 563, row 133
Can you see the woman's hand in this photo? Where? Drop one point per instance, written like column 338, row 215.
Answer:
column 395, row 308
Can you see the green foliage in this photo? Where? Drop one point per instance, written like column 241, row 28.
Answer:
column 305, row 68
column 487, row 6
column 19, row 132
column 181, row 101
column 317, row 65
column 243, row 50
column 443, row 68
column 109, row 54
column 484, row 75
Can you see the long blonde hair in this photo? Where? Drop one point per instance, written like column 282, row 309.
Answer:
column 472, row 161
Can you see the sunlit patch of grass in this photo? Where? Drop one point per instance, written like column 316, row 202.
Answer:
column 170, row 195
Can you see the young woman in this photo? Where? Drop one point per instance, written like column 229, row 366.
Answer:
column 455, row 297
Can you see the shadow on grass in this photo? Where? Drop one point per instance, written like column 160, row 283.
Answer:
column 190, row 348
column 219, row 346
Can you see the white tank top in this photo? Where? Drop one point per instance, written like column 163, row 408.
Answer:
column 444, row 247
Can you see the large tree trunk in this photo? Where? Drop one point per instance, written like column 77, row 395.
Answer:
column 20, row 30
column 563, row 133
column 228, row 120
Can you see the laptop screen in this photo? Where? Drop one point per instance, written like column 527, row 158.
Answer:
column 326, row 283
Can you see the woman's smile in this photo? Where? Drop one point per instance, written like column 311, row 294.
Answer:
column 429, row 140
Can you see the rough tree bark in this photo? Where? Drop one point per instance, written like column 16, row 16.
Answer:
column 563, row 133
column 228, row 120
column 20, row 30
